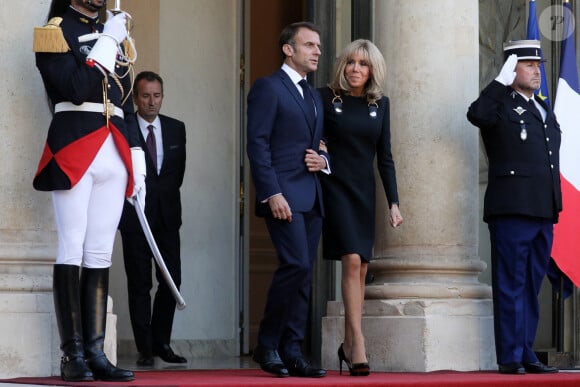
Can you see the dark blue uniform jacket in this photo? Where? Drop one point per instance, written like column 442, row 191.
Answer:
column 523, row 154
column 73, row 137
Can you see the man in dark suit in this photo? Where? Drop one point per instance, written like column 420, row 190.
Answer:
column 163, row 139
column 522, row 200
column 284, row 132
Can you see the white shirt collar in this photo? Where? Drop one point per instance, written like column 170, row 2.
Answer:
column 293, row 74
column 526, row 97
column 143, row 124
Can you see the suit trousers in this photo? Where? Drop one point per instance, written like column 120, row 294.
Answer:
column 283, row 326
column 151, row 327
column 520, row 253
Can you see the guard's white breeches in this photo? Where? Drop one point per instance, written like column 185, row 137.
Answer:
column 87, row 215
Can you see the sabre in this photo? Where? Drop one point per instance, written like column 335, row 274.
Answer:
column 156, row 253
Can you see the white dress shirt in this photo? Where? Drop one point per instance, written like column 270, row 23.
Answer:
column 158, row 137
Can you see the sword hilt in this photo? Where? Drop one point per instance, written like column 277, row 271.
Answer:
column 118, row 10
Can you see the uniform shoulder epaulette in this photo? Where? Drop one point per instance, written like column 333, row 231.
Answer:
column 50, row 38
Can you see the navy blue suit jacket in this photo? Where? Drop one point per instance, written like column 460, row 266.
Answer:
column 279, row 132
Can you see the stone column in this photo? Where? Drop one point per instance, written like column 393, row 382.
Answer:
column 29, row 340
column 28, row 335
column 426, row 309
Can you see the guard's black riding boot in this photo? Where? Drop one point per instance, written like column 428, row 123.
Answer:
column 94, row 292
column 67, row 307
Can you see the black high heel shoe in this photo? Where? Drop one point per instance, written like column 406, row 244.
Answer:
column 356, row 369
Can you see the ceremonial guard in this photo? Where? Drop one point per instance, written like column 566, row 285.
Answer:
column 522, row 200
column 91, row 162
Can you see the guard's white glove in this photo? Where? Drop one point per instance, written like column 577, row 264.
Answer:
column 116, row 26
column 507, row 73
column 104, row 52
column 139, row 173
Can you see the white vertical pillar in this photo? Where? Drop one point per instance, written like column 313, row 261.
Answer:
column 426, row 309
column 29, row 340
column 28, row 344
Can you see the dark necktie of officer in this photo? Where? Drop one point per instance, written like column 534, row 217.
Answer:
column 152, row 145
column 308, row 99
column 533, row 108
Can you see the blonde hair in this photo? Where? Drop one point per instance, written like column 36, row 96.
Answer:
column 377, row 74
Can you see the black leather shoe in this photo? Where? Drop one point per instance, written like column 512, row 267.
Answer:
column 105, row 371
column 512, row 368
column 539, row 368
column 74, row 369
column 300, row 367
column 167, row 355
column 270, row 362
column 145, row 360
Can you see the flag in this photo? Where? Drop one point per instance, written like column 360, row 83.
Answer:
column 534, row 34
column 566, row 248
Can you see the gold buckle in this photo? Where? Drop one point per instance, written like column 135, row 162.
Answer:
column 109, row 110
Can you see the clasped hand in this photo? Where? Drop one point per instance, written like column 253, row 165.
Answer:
column 314, row 162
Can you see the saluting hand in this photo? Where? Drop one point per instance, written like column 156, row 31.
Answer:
column 508, row 71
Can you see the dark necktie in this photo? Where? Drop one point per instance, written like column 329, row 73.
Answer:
column 152, row 146
column 308, row 99
column 533, row 108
